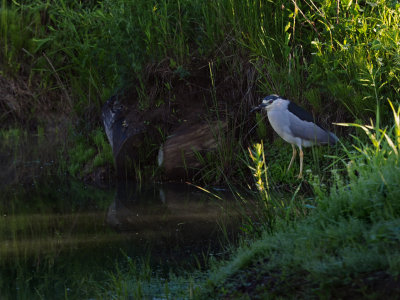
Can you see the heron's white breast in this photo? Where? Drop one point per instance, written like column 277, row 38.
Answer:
column 279, row 118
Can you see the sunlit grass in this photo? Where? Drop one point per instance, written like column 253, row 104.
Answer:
column 94, row 48
column 339, row 60
column 317, row 54
column 346, row 245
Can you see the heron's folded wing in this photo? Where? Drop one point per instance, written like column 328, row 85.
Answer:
column 309, row 131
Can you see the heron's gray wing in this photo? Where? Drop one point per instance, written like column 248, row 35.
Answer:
column 300, row 112
column 308, row 130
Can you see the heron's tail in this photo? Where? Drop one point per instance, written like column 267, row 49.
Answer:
column 333, row 139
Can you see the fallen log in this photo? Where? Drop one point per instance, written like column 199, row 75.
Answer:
column 179, row 155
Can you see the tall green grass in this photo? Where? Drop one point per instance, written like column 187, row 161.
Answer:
column 347, row 246
column 358, row 55
column 338, row 53
column 137, row 280
column 325, row 54
column 87, row 154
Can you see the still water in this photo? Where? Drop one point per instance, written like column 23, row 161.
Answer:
column 58, row 234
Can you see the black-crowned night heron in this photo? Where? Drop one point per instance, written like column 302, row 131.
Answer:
column 295, row 125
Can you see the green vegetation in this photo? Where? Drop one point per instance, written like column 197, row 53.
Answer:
column 338, row 232
column 348, row 243
column 139, row 281
column 323, row 54
column 83, row 158
column 343, row 242
column 74, row 55
column 343, row 54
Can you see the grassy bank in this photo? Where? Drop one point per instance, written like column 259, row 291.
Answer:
column 348, row 245
column 345, row 245
column 61, row 60
column 325, row 52
column 67, row 57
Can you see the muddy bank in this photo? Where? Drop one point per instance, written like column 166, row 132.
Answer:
column 176, row 118
column 172, row 123
column 195, row 103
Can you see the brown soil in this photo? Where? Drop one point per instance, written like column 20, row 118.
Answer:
column 179, row 101
column 174, row 99
column 170, row 98
column 41, row 130
column 15, row 95
column 164, row 100
column 24, row 103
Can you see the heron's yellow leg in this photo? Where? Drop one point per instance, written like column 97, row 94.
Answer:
column 301, row 163
column 293, row 157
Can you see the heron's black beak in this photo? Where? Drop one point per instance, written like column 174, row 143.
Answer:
column 257, row 108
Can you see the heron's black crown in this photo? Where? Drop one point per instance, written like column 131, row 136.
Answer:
column 271, row 98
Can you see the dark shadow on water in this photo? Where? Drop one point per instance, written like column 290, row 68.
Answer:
column 60, row 234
